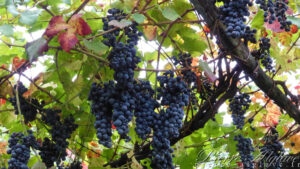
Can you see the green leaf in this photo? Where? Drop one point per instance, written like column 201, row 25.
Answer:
column 36, row 48
column 96, row 46
column 258, row 20
column 7, row 30
column 170, row 14
column 2, row 3
column 38, row 165
column 294, row 20
column 139, row 18
column 13, row 10
column 68, row 2
column 29, row 17
column 194, row 44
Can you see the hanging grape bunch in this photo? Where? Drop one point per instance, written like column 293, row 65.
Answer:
column 28, row 107
column 238, row 106
column 233, row 14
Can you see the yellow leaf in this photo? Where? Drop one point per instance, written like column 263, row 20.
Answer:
column 272, row 117
column 150, row 32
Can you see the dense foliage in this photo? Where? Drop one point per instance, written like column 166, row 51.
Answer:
column 149, row 84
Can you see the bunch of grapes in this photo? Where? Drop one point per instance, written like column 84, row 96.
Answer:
column 60, row 132
column 122, row 58
column 271, row 151
column 103, row 97
column 51, row 153
column 144, row 110
column 50, row 116
column 110, row 103
column 185, row 61
column 173, row 92
column 29, row 107
column 19, row 148
column 189, row 76
column 238, row 106
column 55, row 150
column 123, row 113
column 264, row 54
column 123, row 61
column 275, row 11
column 233, row 14
column 245, row 148
column 120, row 98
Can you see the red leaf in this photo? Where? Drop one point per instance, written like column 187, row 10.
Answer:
column 67, row 39
column 2, row 102
column 56, row 25
column 294, row 29
column 82, row 28
column 17, row 63
column 275, row 26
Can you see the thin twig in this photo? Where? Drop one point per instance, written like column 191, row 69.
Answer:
column 41, row 89
column 10, row 45
column 288, row 132
column 78, row 9
column 115, row 152
column 44, row 7
column 169, row 22
column 293, row 44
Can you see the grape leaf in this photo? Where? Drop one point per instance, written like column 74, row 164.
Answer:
column 56, row 25
column 258, row 20
column 170, row 14
column 13, row 10
column 29, row 17
column 17, row 63
column 150, row 32
column 7, row 30
column 96, row 46
column 275, row 26
column 139, row 18
column 68, row 39
column 82, row 28
column 68, row 2
column 36, row 48
column 38, row 165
